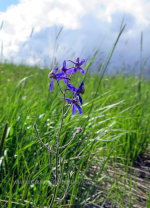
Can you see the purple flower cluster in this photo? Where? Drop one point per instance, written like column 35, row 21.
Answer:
column 66, row 74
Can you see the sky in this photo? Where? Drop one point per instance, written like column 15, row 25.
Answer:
column 29, row 29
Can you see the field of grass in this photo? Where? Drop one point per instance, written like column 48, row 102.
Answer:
column 99, row 163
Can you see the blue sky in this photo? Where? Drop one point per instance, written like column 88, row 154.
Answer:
column 4, row 4
column 30, row 27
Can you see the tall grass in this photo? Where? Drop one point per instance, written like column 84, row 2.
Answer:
column 99, row 160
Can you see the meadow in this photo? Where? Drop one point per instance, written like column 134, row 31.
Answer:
column 99, row 165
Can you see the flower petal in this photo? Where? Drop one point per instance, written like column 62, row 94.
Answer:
column 82, row 62
column 55, row 70
column 64, row 77
column 81, row 85
column 66, row 81
column 51, row 85
column 64, row 64
column 72, row 88
column 60, row 74
column 77, row 60
column 75, row 70
column 58, row 79
column 69, row 71
column 79, row 108
column 81, row 70
column 73, row 109
column 80, row 99
column 69, row 100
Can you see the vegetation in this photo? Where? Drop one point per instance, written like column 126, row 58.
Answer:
column 99, row 163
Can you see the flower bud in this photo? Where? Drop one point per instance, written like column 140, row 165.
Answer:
column 81, row 90
column 51, row 75
column 79, row 130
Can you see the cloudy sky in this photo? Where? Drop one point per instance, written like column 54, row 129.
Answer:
column 28, row 30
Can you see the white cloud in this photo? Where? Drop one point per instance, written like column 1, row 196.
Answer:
column 20, row 19
column 104, row 9
column 39, row 14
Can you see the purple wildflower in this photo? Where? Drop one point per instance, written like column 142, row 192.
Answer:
column 52, row 75
column 77, row 65
column 65, row 70
column 75, row 105
column 78, row 91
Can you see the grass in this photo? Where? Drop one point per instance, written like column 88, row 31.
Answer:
column 100, row 161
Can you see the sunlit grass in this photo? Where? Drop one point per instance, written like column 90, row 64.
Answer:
column 115, row 123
